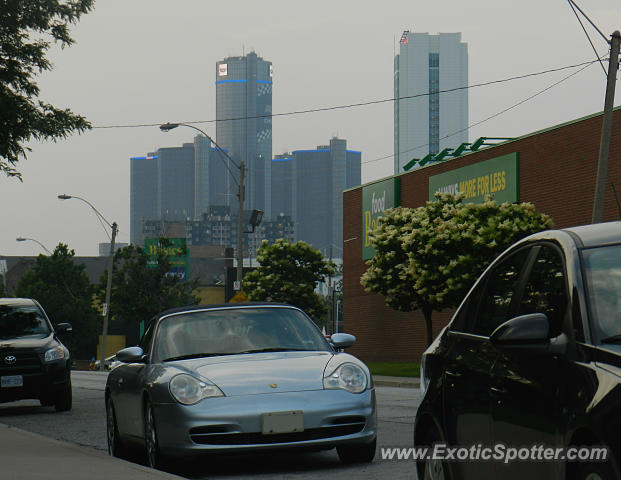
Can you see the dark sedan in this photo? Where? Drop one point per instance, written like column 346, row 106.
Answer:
column 531, row 363
column 240, row 377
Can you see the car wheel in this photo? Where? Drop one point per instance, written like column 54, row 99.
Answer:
column 154, row 457
column 595, row 471
column 115, row 447
column 358, row 452
column 63, row 399
column 433, row 469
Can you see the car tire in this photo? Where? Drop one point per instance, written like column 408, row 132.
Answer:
column 115, row 446
column 357, row 452
column 63, row 399
column 433, row 469
column 595, row 471
column 152, row 449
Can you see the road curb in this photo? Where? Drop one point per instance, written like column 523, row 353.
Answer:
column 398, row 382
column 31, row 455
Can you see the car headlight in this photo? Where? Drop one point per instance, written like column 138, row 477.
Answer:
column 347, row 376
column 188, row 390
column 56, row 353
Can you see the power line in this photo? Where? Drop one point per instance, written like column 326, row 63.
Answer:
column 589, row 20
column 358, row 104
column 587, row 35
column 491, row 116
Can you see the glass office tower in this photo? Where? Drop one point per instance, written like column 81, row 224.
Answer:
column 244, row 127
column 427, row 117
column 308, row 186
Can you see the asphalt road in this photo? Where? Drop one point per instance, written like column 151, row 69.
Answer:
column 85, row 425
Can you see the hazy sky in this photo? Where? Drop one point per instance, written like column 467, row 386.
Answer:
column 153, row 61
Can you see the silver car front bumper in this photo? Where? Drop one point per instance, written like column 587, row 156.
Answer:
column 330, row 418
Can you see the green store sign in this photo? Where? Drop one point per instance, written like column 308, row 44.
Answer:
column 377, row 198
column 177, row 251
column 497, row 177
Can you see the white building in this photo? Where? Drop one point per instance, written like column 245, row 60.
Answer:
column 425, row 66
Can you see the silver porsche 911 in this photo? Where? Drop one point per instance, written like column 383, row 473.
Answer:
column 239, row 377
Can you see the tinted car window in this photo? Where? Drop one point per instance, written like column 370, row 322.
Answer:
column 546, row 291
column 22, row 321
column 231, row 331
column 603, row 274
column 500, row 287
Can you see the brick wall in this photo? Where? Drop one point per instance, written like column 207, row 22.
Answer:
column 557, row 170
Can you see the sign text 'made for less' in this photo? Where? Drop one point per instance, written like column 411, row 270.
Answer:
column 497, row 177
column 376, row 198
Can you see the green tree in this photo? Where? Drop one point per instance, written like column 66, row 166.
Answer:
column 66, row 294
column 427, row 258
column 289, row 273
column 27, row 28
column 140, row 290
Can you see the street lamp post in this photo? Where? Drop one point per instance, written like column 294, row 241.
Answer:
column 23, row 239
column 240, row 194
column 106, row 306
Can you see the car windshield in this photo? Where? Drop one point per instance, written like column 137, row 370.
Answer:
column 22, row 321
column 234, row 331
column 603, row 272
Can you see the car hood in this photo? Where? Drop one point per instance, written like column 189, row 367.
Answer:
column 256, row 373
column 31, row 342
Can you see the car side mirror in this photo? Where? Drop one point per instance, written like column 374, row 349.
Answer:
column 64, row 328
column 342, row 340
column 131, row 355
column 530, row 329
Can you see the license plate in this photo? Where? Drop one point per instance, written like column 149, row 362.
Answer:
column 282, row 422
column 12, row 381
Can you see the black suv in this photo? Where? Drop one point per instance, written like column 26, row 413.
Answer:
column 33, row 361
column 531, row 358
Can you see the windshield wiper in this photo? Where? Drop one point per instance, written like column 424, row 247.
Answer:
column 614, row 339
column 277, row 349
column 196, row 355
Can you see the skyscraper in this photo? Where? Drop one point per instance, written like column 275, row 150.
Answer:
column 308, row 185
column 161, row 188
column 244, row 125
column 426, row 66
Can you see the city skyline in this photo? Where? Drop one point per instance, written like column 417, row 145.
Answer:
column 158, row 66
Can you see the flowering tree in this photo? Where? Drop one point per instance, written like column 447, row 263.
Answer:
column 427, row 258
column 289, row 273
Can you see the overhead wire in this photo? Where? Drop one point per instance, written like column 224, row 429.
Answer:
column 590, row 21
column 571, row 4
column 353, row 105
column 491, row 116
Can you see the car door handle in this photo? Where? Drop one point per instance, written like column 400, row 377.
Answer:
column 452, row 374
column 498, row 390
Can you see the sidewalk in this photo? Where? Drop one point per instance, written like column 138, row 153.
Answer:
column 28, row 456
column 402, row 382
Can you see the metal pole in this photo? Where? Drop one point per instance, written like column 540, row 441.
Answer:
column 604, row 147
column 240, row 215
column 330, row 296
column 106, row 307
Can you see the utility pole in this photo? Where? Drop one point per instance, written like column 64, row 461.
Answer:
column 240, row 214
column 106, row 307
column 604, row 147
column 331, row 295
